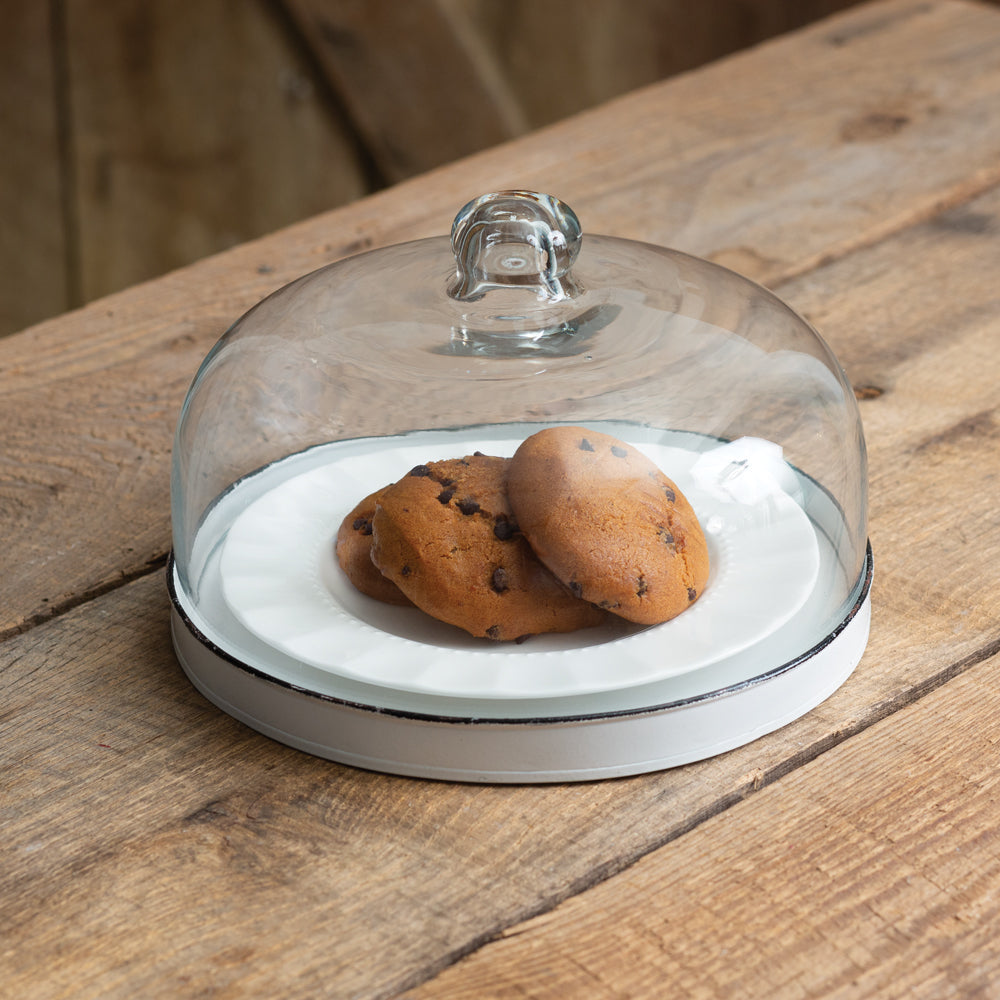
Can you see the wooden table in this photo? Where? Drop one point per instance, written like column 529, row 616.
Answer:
column 154, row 847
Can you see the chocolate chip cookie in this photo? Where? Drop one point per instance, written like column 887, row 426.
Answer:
column 354, row 553
column 608, row 523
column 446, row 536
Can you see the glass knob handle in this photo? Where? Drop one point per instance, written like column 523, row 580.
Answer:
column 515, row 238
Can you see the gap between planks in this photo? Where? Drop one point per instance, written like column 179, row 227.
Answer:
column 981, row 183
column 157, row 563
column 930, row 936
column 760, row 779
column 753, row 781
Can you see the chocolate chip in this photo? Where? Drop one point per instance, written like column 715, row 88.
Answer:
column 405, row 571
column 420, row 470
column 479, row 454
column 618, row 452
column 670, row 494
column 504, row 530
column 692, row 593
column 468, row 506
column 445, row 495
column 362, row 524
column 641, row 588
column 493, row 632
column 585, row 445
column 575, row 588
column 665, row 536
column 499, row 581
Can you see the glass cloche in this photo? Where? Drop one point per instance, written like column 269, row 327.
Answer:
column 343, row 381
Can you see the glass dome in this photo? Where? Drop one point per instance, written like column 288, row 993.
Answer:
column 341, row 381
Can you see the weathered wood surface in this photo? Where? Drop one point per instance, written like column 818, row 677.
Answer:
column 183, row 816
column 467, row 74
column 155, row 847
column 33, row 237
column 872, row 872
column 139, row 137
column 730, row 170
column 420, row 84
column 194, row 128
column 559, row 57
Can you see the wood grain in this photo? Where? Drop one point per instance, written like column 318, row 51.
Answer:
column 419, row 83
column 933, row 425
column 725, row 167
column 195, row 127
column 155, row 845
column 559, row 58
column 873, row 871
column 34, row 237
column 170, row 851
column 468, row 74
column 164, row 101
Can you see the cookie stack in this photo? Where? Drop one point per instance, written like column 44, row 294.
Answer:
column 576, row 526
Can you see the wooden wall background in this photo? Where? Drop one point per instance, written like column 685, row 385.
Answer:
column 138, row 135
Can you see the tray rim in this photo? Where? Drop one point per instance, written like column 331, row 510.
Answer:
column 863, row 595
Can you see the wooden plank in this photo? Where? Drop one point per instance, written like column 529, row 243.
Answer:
column 154, row 845
column 874, row 871
column 241, row 866
column 417, row 81
column 89, row 401
column 471, row 73
column 195, row 126
column 33, row 240
column 927, row 364
column 504, row 75
column 238, row 866
column 560, row 57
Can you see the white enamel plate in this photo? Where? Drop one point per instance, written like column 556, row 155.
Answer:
column 281, row 580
